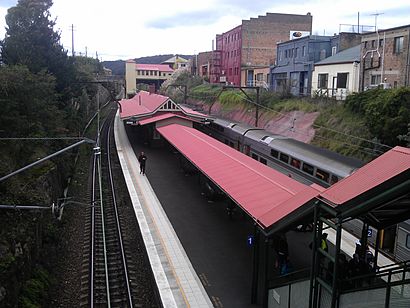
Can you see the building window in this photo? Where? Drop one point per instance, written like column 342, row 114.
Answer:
column 373, row 43
column 375, row 79
column 334, row 50
column 342, row 80
column 254, row 156
column 286, row 54
column 263, row 161
column 398, row 44
column 280, row 55
column 322, row 54
column 322, row 81
column 303, row 51
column 365, row 44
column 381, row 42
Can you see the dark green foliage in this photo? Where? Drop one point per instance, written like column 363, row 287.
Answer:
column 28, row 103
column 206, row 93
column 34, row 292
column 386, row 112
column 31, row 41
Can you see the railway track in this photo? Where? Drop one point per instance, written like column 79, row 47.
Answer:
column 109, row 272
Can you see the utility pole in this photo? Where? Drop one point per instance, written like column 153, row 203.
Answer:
column 72, row 40
column 86, row 51
column 257, row 103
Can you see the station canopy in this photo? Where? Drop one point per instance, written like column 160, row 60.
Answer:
column 265, row 194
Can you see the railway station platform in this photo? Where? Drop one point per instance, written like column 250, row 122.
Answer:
column 200, row 256
column 186, row 233
column 177, row 281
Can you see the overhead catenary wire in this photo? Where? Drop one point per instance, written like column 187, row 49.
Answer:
column 314, row 125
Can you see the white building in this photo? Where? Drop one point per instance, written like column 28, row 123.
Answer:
column 337, row 76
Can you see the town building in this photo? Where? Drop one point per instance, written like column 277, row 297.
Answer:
column 292, row 72
column 385, row 58
column 176, row 62
column 201, row 64
column 337, row 76
column 150, row 74
column 251, row 47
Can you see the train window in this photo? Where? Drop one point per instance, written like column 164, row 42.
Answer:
column 295, row 163
column 334, row 179
column 254, row 156
column 308, row 168
column 263, row 161
column 323, row 175
column 284, row 158
column 274, row 153
column 408, row 241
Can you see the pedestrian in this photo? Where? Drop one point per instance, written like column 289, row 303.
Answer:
column 323, row 242
column 142, row 158
column 282, row 251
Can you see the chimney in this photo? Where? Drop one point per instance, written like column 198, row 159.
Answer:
column 151, row 89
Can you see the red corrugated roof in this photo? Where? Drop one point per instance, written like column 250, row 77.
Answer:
column 154, row 67
column 143, row 102
column 161, row 117
column 257, row 188
column 371, row 175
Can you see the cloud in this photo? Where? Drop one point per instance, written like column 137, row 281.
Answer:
column 186, row 19
column 8, row 3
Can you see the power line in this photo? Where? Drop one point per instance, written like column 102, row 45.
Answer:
column 363, row 149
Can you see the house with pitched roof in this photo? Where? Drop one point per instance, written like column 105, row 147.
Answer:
column 337, row 76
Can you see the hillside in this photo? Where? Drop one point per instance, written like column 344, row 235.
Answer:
column 118, row 66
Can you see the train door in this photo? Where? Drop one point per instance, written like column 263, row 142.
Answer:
column 246, row 150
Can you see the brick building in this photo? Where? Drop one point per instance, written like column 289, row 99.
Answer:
column 251, row 46
column 385, row 58
column 202, row 64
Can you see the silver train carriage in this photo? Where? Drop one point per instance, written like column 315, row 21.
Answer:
column 306, row 163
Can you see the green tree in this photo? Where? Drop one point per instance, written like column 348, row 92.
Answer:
column 31, row 41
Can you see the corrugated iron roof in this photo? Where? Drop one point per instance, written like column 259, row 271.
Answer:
column 154, row 67
column 257, row 188
column 378, row 171
column 160, row 117
column 143, row 102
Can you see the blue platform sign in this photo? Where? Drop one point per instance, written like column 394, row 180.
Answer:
column 369, row 232
column 250, row 240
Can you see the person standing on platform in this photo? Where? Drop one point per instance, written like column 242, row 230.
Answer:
column 142, row 158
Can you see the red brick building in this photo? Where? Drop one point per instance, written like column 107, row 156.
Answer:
column 385, row 58
column 251, row 46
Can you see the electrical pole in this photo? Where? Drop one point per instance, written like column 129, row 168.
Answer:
column 72, row 40
column 257, row 103
column 86, row 51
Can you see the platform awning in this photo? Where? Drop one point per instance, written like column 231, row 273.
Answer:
column 379, row 192
column 264, row 193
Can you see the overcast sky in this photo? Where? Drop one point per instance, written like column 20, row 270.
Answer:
column 124, row 29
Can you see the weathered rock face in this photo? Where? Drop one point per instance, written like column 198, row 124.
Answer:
column 295, row 124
